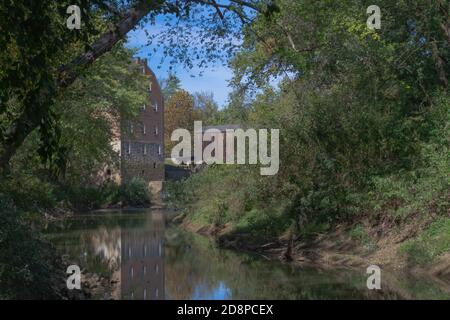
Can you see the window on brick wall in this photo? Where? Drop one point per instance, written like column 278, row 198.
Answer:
column 156, row 130
column 143, row 129
column 154, row 165
column 150, row 86
column 159, row 150
column 128, row 148
column 145, row 149
column 144, row 106
column 156, row 105
column 130, row 127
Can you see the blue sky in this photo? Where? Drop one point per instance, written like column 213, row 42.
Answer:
column 213, row 79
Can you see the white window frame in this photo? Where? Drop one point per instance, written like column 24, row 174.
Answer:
column 159, row 150
column 156, row 106
column 144, row 129
column 156, row 130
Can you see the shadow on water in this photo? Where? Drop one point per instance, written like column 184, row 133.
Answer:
column 139, row 258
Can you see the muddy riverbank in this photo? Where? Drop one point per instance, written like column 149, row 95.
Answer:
column 330, row 250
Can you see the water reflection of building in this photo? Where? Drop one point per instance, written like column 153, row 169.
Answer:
column 142, row 261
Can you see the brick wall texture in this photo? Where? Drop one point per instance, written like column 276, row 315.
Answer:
column 142, row 140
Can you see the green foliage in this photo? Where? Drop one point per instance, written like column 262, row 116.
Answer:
column 228, row 194
column 86, row 198
column 170, row 85
column 204, row 103
column 364, row 119
column 260, row 222
column 35, row 195
column 117, row 89
column 69, row 181
column 29, row 266
column 30, row 193
column 433, row 242
column 359, row 234
column 426, row 187
column 34, row 41
column 135, row 193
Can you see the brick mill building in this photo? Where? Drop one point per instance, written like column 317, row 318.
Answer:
column 140, row 142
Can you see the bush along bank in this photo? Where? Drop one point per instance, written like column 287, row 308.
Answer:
column 315, row 212
column 416, row 242
column 30, row 267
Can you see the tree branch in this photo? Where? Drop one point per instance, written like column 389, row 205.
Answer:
column 67, row 73
column 38, row 103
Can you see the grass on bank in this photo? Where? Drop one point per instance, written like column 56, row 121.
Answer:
column 430, row 244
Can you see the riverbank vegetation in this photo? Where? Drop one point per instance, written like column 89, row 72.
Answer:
column 43, row 184
column 60, row 89
column 364, row 119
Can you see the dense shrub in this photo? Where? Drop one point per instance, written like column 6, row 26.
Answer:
column 433, row 242
column 135, row 193
column 29, row 192
column 29, row 266
column 84, row 198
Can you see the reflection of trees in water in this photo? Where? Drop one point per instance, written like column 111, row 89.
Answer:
column 196, row 268
column 112, row 246
column 95, row 250
column 106, row 244
column 191, row 266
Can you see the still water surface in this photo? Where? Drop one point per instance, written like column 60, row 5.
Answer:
column 140, row 258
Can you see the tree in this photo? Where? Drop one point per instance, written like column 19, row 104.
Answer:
column 355, row 106
column 40, row 58
column 206, row 105
column 170, row 85
column 238, row 107
column 179, row 114
column 117, row 90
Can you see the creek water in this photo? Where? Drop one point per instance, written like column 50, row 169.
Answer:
column 137, row 256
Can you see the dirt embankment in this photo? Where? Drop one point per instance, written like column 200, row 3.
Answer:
column 331, row 249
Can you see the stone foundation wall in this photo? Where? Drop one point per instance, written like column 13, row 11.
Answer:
column 135, row 163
